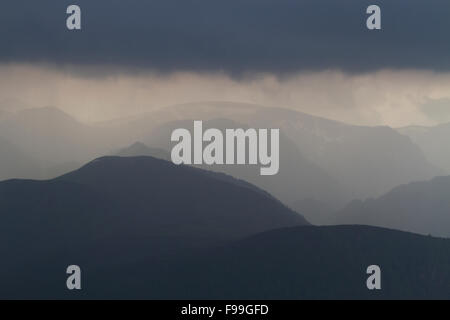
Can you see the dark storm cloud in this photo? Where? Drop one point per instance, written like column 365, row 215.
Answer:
column 231, row 35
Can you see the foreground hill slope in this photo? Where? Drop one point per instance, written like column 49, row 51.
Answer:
column 294, row 263
column 320, row 263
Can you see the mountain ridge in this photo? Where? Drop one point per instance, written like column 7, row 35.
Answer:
column 421, row 207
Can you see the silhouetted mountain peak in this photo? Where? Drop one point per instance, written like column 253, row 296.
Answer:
column 164, row 198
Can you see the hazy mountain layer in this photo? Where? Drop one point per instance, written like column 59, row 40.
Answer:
column 361, row 161
column 14, row 163
column 421, row 207
column 298, row 178
column 434, row 141
column 55, row 139
column 366, row 161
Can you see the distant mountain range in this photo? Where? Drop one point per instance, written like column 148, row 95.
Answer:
column 57, row 142
column 421, row 207
column 365, row 161
column 358, row 162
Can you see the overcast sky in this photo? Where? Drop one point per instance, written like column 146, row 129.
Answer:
column 316, row 56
